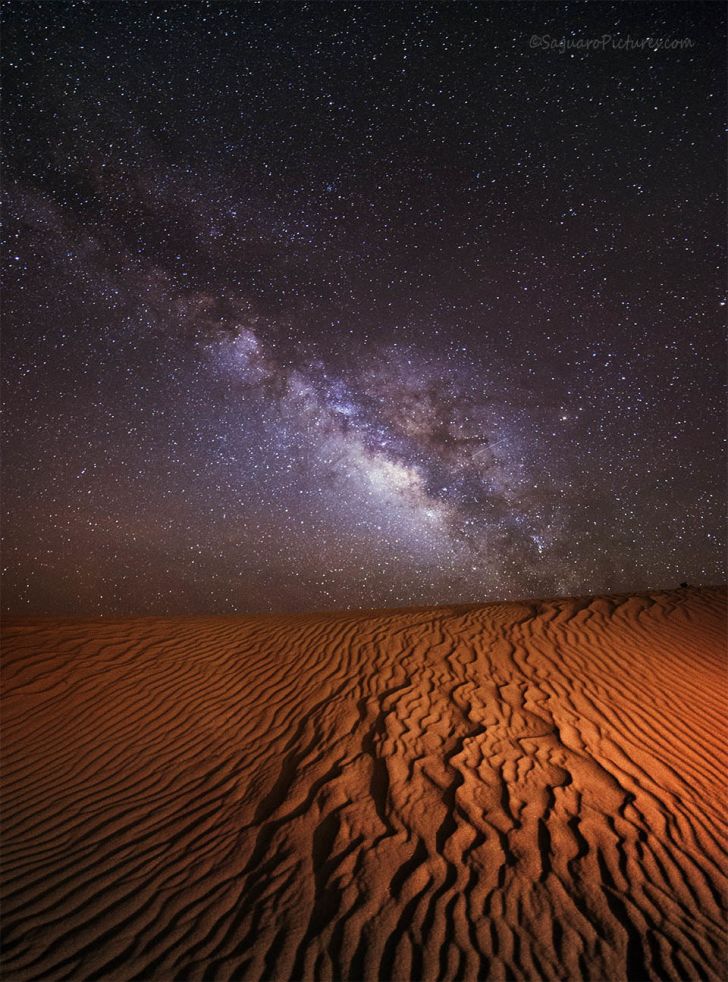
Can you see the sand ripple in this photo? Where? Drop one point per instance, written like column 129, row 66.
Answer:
column 511, row 791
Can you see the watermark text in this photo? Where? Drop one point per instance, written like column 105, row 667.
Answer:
column 608, row 42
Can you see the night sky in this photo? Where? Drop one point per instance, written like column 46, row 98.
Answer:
column 324, row 305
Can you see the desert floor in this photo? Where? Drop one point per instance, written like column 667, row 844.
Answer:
column 519, row 790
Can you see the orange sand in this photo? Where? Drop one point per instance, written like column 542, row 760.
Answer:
column 520, row 790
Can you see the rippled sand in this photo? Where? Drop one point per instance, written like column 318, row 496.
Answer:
column 524, row 790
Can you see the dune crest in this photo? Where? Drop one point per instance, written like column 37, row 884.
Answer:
column 522, row 790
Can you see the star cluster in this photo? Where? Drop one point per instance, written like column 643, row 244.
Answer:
column 316, row 305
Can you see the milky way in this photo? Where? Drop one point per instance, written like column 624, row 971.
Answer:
column 312, row 306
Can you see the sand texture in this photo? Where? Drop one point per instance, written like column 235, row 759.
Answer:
column 517, row 790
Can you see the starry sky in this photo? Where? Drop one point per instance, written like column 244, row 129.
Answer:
column 311, row 306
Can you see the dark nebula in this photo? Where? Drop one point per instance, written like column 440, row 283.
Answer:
column 319, row 305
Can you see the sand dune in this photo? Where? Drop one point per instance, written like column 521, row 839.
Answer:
column 522, row 790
